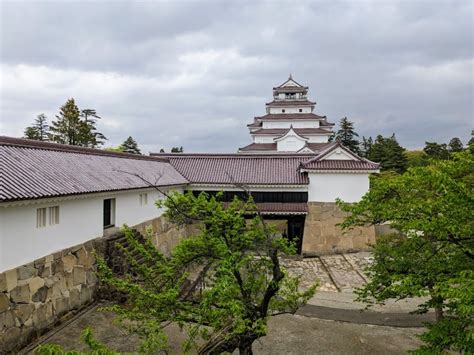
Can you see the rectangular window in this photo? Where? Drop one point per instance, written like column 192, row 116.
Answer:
column 109, row 213
column 41, row 217
column 301, row 110
column 53, row 215
column 143, row 199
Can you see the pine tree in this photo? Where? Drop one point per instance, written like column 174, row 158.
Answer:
column 68, row 128
column 130, row 146
column 366, row 147
column 39, row 130
column 177, row 150
column 436, row 151
column 91, row 138
column 455, row 145
column 389, row 154
column 346, row 135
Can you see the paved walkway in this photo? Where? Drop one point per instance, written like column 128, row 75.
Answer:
column 338, row 276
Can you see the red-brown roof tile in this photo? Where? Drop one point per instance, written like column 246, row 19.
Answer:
column 300, row 131
column 270, row 208
column 273, row 147
column 290, row 103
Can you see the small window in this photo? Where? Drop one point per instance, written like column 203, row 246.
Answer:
column 283, row 110
column 53, row 215
column 41, row 217
column 301, row 110
column 109, row 213
column 143, row 199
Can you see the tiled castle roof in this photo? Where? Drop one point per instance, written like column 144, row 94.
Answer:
column 31, row 169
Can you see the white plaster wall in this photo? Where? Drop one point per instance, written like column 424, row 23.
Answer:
column 264, row 139
column 294, row 123
column 290, row 144
column 289, row 109
column 80, row 220
column 317, row 139
column 326, row 187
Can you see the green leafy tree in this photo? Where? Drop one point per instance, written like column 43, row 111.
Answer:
column 221, row 285
column 455, row 145
column 432, row 208
column 89, row 135
column 130, row 146
column 389, row 154
column 416, row 158
column 346, row 135
column 39, row 130
column 436, row 150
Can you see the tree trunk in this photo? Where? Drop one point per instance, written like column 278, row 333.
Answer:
column 439, row 313
column 245, row 349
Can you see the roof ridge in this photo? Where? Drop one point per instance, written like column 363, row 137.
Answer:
column 34, row 144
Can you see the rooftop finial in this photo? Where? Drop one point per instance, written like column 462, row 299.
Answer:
column 291, row 77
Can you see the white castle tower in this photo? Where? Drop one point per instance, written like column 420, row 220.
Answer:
column 290, row 126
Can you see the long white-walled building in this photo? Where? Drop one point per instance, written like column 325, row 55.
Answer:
column 55, row 196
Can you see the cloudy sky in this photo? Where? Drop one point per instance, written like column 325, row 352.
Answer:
column 192, row 74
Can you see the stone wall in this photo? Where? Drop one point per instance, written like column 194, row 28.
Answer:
column 323, row 236
column 33, row 297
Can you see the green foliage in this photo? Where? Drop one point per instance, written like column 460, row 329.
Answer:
column 70, row 129
column 130, row 146
column 39, row 130
column 177, row 150
column 389, row 154
column 436, row 151
column 455, row 145
column 366, row 147
column 95, row 347
column 346, row 135
column 221, row 285
column 433, row 209
column 416, row 158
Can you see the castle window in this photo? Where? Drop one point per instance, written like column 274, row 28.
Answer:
column 41, row 217
column 301, row 110
column 143, row 199
column 283, row 110
column 53, row 215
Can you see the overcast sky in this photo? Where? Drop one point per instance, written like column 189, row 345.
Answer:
column 194, row 74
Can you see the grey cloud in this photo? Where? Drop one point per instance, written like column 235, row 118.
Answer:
column 194, row 74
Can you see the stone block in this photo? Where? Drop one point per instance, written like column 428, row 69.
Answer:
column 75, row 297
column 3, row 282
column 7, row 319
column 9, row 339
column 46, row 272
column 26, row 271
column 4, row 302
column 23, row 312
column 79, row 275
column 69, row 261
column 39, row 263
column 20, row 294
column 61, row 306
column 35, row 284
column 91, row 278
column 40, row 295
column 43, row 315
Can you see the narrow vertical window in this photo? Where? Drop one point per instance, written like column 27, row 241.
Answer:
column 109, row 213
column 41, row 217
column 143, row 199
column 53, row 215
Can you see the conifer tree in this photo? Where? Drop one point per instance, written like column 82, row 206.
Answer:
column 346, row 135
column 455, row 145
column 130, row 146
column 177, row 150
column 366, row 146
column 67, row 129
column 90, row 136
column 389, row 154
column 436, row 150
column 39, row 130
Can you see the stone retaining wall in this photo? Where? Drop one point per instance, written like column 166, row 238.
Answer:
column 34, row 297
column 323, row 236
